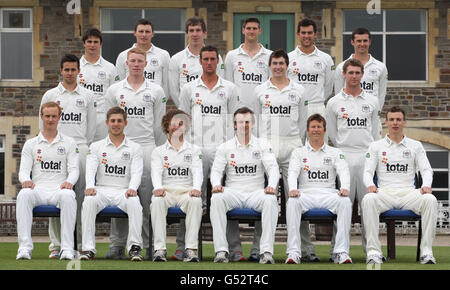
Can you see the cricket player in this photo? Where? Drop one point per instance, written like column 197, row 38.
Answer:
column 374, row 81
column 311, row 68
column 78, row 120
column 145, row 104
column 247, row 65
column 157, row 68
column 48, row 171
column 184, row 66
column 177, row 177
column 396, row 159
column 312, row 174
column 244, row 159
column 113, row 174
column 353, row 123
column 96, row 75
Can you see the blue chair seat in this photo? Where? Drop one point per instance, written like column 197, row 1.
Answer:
column 243, row 213
column 46, row 211
column 400, row 213
column 175, row 212
column 112, row 210
column 318, row 213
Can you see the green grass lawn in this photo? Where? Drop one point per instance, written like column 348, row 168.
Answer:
column 405, row 260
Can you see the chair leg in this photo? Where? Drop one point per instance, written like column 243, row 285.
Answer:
column 200, row 242
column 75, row 241
column 419, row 240
column 150, row 239
column 391, row 238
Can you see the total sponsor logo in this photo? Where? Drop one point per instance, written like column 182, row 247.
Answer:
column 308, row 77
column 71, row 117
column 50, row 165
column 367, row 86
column 251, row 77
column 216, row 110
column 133, row 111
column 96, row 88
column 246, row 169
column 396, row 168
column 318, row 175
column 149, row 75
column 189, row 77
column 177, row 171
column 115, row 170
column 280, row 110
column 355, row 122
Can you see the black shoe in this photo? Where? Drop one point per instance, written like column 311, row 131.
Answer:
column 87, row 255
column 135, row 254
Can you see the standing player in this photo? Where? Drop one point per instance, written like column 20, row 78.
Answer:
column 78, row 120
column 312, row 174
column 184, row 66
column 396, row 159
column 374, row 81
column 353, row 123
column 210, row 100
column 311, row 67
column 48, row 171
column 145, row 104
column 177, row 177
column 244, row 159
column 113, row 175
column 157, row 67
column 96, row 75
column 246, row 66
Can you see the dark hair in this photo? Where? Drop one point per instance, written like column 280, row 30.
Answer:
column 167, row 118
column 143, row 21
column 94, row 32
column 316, row 117
column 361, row 30
column 194, row 21
column 70, row 58
column 244, row 110
column 353, row 62
column 116, row 110
column 306, row 22
column 279, row 53
column 251, row 19
column 209, row 48
column 396, row 109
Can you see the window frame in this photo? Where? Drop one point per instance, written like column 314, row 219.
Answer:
column 2, row 151
column 19, row 30
column 434, row 148
column 384, row 33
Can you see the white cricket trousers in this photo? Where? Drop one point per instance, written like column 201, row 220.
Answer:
column 29, row 198
column 403, row 198
column 191, row 206
column 105, row 196
column 318, row 198
column 119, row 227
column 229, row 199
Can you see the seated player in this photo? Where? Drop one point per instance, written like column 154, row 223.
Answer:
column 113, row 174
column 51, row 159
column 244, row 159
column 177, row 177
column 315, row 166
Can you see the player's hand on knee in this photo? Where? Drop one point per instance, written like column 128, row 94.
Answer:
column 28, row 184
column 90, row 192
column 195, row 193
column 217, row 189
column 294, row 193
column 425, row 190
column 159, row 192
column 130, row 193
column 269, row 190
column 372, row 188
column 66, row 185
column 344, row 192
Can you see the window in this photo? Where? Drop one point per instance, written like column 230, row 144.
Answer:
column 16, row 44
column 440, row 162
column 2, row 165
column 117, row 26
column 394, row 33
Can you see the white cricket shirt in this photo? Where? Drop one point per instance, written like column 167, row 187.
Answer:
column 49, row 164
column 374, row 80
column 396, row 164
column 78, row 118
column 244, row 165
column 247, row 72
column 110, row 166
column 157, row 68
column 211, row 111
column 283, row 113
column 185, row 67
column 317, row 168
column 314, row 71
column 181, row 168
column 144, row 107
column 97, row 77
column 352, row 122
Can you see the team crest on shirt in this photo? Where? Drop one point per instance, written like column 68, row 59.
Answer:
column 365, row 108
column 61, row 150
column 317, row 65
column 126, row 155
column 80, row 103
column 221, row 94
column 101, row 75
column 407, row 154
column 147, row 98
column 154, row 62
column 292, row 97
column 122, row 104
column 373, row 72
column 256, row 155
column 188, row 158
column 260, row 64
column 327, row 161
column 166, row 164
